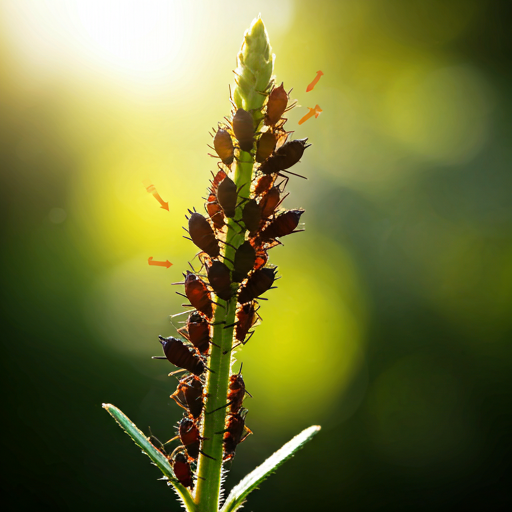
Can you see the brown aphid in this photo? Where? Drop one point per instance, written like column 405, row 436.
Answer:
column 235, row 433
column 266, row 145
column 198, row 295
column 202, row 235
column 276, row 105
column 189, row 436
column 224, row 146
column 215, row 212
column 281, row 225
column 244, row 129
column 285, row 156
column 236, row 392
column 245, row 257
column 269, row 202
column 189, row 395
column 182, row 471
column 177, row 353
column 197, row 331
column 246, row 317
column 220, row 279
column 251, row 216
column 263, row 183
column 227, row 196
column 258, row 283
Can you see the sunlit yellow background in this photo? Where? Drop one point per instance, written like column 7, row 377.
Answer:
column 391, row 323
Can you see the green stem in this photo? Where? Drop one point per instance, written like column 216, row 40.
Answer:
column 209, row 470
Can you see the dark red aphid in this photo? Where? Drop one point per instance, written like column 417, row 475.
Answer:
column 221, row 174
column 227, row 196
column 281, row 225
column 269, row 202
column 189, row 436
column 220, row 279
column 276, row 105
column 235, row 433
column 246, row 317
column 251, row 216
column 177, row 353
column 198, row 295
column 263, row 183
column 285, row 156
column 244, row 129
column 182, row 471
column 266, row 145
column 197, row 331
column 224, row 146
column 189, row 395
column 215, row 212
column 202, row 235
column 245, row 257
column 258, row 283
column 236, row 391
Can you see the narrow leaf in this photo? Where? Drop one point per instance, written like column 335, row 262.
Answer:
column 252, row 480
column 155, row 455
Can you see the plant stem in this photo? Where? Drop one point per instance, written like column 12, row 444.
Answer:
column 209, row 471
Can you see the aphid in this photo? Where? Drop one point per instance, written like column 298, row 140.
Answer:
column 215, row 212
column 189, row 395
column 202, row 235
column 244, row 129
column 258, row 283
column 266, row 145
column 261, row 258
column 189, row 436
column 245, row 257
column 220, row 281
column 285, row 156
column 177, row 353
column 236, row 391
column 246, row 317
column 221, row 174
column 198, row 295
column 182, row 471
column 251, row 216
column 224, row 146
column 269, row 202
column 227, row 196
column 235, row 433
column 276, row 105
column 197, row 331
column 263, row 183
column 281, row 225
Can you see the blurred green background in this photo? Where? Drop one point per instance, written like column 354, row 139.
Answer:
column 391, row 326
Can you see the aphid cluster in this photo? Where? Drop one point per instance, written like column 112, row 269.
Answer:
column 260, row 223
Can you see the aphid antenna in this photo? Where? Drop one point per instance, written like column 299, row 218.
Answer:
column 293, row 173
column 182, row 313
column 178, row 448
column 172, row 374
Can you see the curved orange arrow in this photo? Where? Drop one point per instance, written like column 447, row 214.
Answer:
column 159, row 263
column 152, row 190
column 312, row 112
column 315, row 81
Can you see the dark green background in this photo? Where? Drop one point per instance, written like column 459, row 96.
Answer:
column 420, row 418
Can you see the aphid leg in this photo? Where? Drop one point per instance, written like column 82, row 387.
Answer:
column 219, row 408
column 206, row 455
column 158, row 357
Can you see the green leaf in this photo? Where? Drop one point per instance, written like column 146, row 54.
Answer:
column 252, row 480
column 155, row 455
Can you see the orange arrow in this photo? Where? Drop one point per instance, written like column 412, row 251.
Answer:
column 315, row 81
column 152, row 190
column 159, row 263
column 312, row 112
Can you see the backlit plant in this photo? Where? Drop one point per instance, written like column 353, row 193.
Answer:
column 242, row 222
